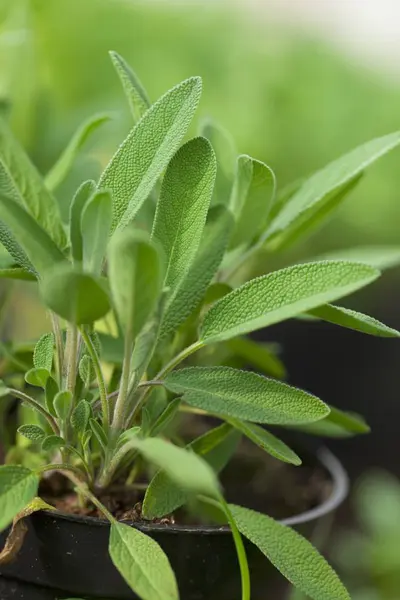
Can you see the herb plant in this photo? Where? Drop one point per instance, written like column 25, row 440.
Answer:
column 152, row 251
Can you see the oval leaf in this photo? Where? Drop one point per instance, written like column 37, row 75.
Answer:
column 43, row 352
column 82, row 195
column 52, row 443
column 80, row 417
column 353, row 320
column 62, row 404
column 134, row 91
column 18, row 486
column 268, row 442
column 95, row 228
column 37, row 377
column 32, row 432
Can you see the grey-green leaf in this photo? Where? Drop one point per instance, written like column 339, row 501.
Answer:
column 62, row 404
column 52, row 443
column 86, row 370
column 345, row 317
column 245, row 395
column 32, row 432
column 142, row 563
column 291, row 554
column 225, row 151
column 37, row 377
column 95, row 229
column 43, row 352
column 18, row 486
column 60, row 170
column 132, row 173
column 14, row 250
column 80, row 417
column 134, row 90
column 82, row 195
column 281, row 295
column 78, row 297
column 182, row 208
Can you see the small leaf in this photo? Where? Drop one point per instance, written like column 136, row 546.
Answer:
column 60, row 170
column 84, row 192
column 282, row 295
column 182, row 208
column 80, row 417
column 166, row 417
column 14, row 250
column 32, row 432
column 268, row 442
column 52, row 443
column 142, row 563
column 18, row 486
column 62, row 404
column 291, row 554
column 380, row 257
column 95, row 228
column 225, row 150
column 353, row 320
column 78, row 297
column 132, row 173
column 338, row 424
column 135, row 274
column 43, row 352
column 258, row 355
column 245, row 395
column 134, row 91
column 37, row 377
column 86, row 370
column 99, row 433
column 51, row 390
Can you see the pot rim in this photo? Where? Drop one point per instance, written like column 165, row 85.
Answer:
column 340, row 487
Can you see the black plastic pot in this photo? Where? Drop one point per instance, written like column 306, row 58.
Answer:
column 64, row 556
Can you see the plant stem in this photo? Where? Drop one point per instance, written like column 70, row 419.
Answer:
column 35, row 404
column 71, row 358
column 121, row 403
column 100, row 378
column 59, row 346
column 62, row 467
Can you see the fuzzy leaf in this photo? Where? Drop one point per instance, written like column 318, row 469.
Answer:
column 43, row 352
column 86, row 370
column 32, row 432
column 182, row 208
column 134, row 91
column 191, row 290
column 51, row 390
column 225, row 150
column 353, row 320
column 62, row 404
column 18, row 486
column 99, row 433
column 245, row 395
column 380, row 257
column 291, row 554
column 135, row 274
column 142, row 563
column 78, row 297
column 281, row 295
column 60, row 170
column 252, row 197
column 80, row 417
column 95, row 229
column 338, row 424
column 37, row 377
column 82, row 195
column 132, row 173
column 52, row 443
column 258, row 355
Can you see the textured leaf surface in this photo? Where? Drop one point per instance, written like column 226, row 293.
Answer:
column 225, row 150
column 96, row 227
column 313, row 191
column 267, row 441
column 18, row 486
column 182, row 208
column 142, row 157
column 281, row 295
column 353, row 320
column 43, row 352
column 245, row 395
column 32, row 432
column 291, row 554
column 80, row 417
column 134, row 90
column 84, row 192
column 142, row 563
column 52, row 443
column 14, row 250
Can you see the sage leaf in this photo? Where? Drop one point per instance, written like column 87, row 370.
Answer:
column 182, row 208
column 43, row 352
column 166, row 417
column 281, row 295
column 32, row 432
column 78, row 297
column 51, row 389
column 95, row 229
column 134, row 90
column 132, row 173
column 225, row 151
column 338, row 424
column 352, row 319
column 135, row 273
column 82, row 195
column 62, row 404
column 380, row 257
column 37, row 377
column 60, row 170
column 52, row 443
column 86, row 370
column 99, row 433
column 142, row 563
column 245, row 395
column 18, row 486
column 80, row 417
column 291, row 554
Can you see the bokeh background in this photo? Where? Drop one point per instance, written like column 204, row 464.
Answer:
column 297, row 83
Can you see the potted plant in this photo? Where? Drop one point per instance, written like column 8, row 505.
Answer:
column 151, row 251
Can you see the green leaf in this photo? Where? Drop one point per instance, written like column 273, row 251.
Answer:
column 225, row 150
column 60, row 170
column 80, row 417
column 132, row 173
column 52, row 443
column 82, row 195
column 258, row 355
column 142, row 563
column 51, row 390
column 32, row 432
column 353, row 320
column 216, row 447
column 380, row 257
column 268, row 442
column 166, row 417
column 95, row 229
column 190, row 292
column 37, row 377
column 43, row 352
column 245, row 395
column 338, row 424
column 134, row 91
column 78, row 297
column 135, row 274
column 62, row 404
column 99, row 433
column 182, row 208
column 291, row 554
column 18, row 486
column 35, row 242
column 312, row 195
column 17, row 273
column 282, row 295
column 27, row 187
column 252, row 197
column 86, row 370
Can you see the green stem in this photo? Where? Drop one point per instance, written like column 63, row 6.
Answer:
column 62, row 467
column 35, row 404
column 100, row 378
column 72, row 358
column 59, row 346
column 121, row 403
